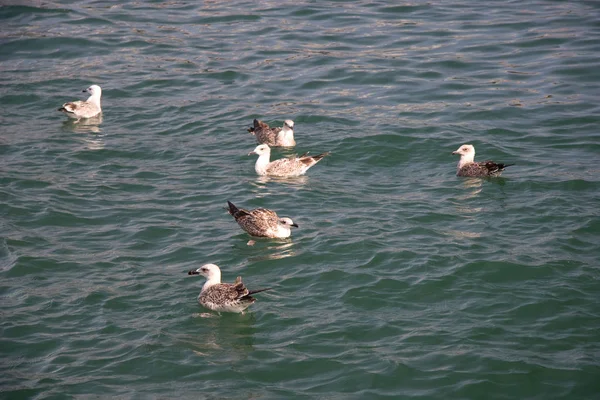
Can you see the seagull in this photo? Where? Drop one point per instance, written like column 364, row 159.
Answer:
column 223, row 297
column 274, row 137
column 84, row 109
column 262, row 222
column 292, row 166
column 468, row 167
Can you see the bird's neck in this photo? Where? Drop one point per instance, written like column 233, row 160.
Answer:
column 465, row 159
column 214, row 280
column 95, row 98
column 262, row 162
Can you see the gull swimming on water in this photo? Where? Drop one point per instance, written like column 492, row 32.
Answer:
column 274, row 137
column 262, row 222
column 223, row 297
column 84, row 109
column 292, row 166
column 469, row 168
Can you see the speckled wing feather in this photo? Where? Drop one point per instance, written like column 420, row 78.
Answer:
column 482, row 169
column 80, row 109
column 228, row 297
column 258, row 124
column 259, row 222
column 293, row 165
column 224, row 296
column 264, row 134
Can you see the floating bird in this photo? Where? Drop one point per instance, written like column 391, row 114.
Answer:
column 84, row 109
column 223, row 297
column 274, row 137
column 469, row 168
column 292, row 166
column 262, row 222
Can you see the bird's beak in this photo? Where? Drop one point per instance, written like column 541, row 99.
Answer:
column 455, row 152
column 84, row 90
column 193, row 272
column 252, row 152
column 295, row 225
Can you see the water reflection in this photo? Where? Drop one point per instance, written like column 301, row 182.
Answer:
column 225, row 338
column 500, row 181
column 277, row 249
column 87, row 126
column 471, row 188
column 261, row 249
column 94, row 142
column 84, row 125
column 462, row 234
column 294, row 181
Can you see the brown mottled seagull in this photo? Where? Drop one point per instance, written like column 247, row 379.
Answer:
column 262, row 222
column 469, row 168
column 223, row 297
column 292, row 166
column 84, row 109
column 274, row 137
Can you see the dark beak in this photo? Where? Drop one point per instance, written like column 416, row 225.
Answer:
column 295, row 225
column 84, row 90
column 193, row 272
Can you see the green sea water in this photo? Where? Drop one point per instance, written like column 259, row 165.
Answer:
column 402, row 280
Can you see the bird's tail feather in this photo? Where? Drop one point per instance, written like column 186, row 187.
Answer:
column 319, row 156
column 258, row 291
column 232, row 208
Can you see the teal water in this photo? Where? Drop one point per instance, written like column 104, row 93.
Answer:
column 402, row 281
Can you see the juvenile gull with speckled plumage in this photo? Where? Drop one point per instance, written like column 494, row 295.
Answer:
column 292, row 166
column 262, row 222
column 274, row 137
column 84, row 109
column 223, row 297
column 469, row 168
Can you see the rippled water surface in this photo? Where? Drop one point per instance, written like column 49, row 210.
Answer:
column 402, row 281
